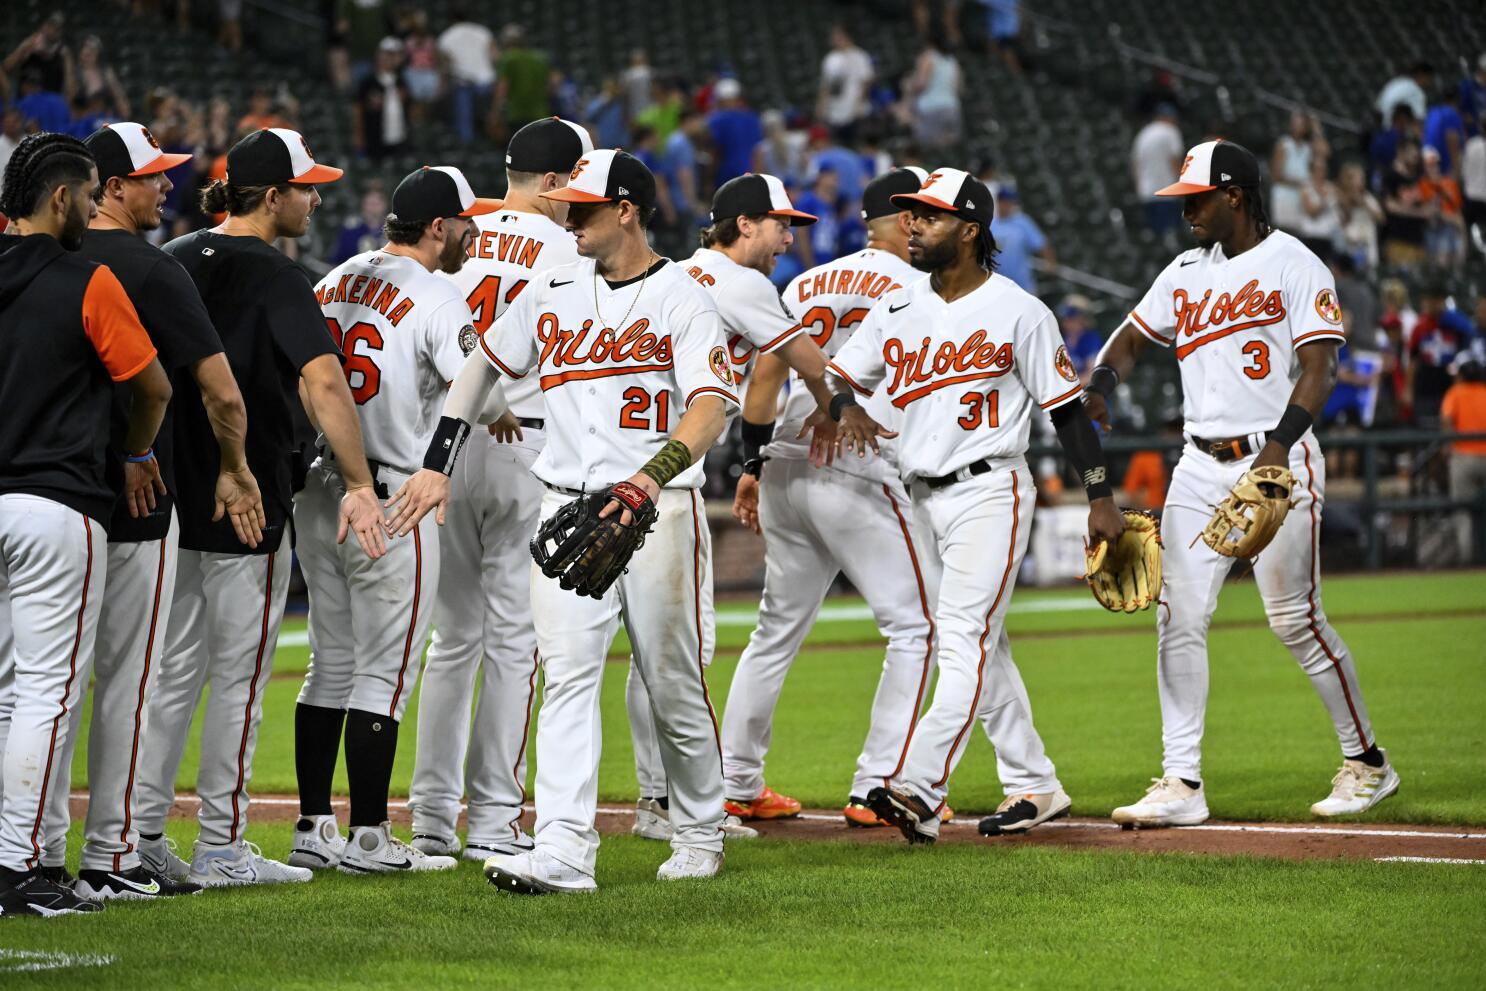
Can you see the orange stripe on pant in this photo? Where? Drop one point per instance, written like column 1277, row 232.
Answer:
column 242, row 747
column 923, row 598
column 407, row 646
column 696, row 571
column 144, row 681
column 1016, row 505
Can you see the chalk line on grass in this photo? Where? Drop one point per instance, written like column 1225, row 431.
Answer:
column 31, row 961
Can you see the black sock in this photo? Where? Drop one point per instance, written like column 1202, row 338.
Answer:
column 152, row 837
column 665, row 802
column 317, row 742
column 1372, row 757
column 371, row 746
column 1194, row 785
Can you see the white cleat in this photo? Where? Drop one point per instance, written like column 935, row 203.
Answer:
column 241, row 863
column 318, row 843
column 435, row 846
column 483, row 850
column 161, row 856
column 733, row 829
column 1167, row 802
column 652, row 822
column 374, row 850
column 1357, row 788
column 690, row 862
column 535, row 873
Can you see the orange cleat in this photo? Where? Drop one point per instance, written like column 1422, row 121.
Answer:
column 946, row 814
column 858, row 813
column 769, row 805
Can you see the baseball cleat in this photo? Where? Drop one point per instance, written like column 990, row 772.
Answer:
column 733, row 829
column 690, row 862
column 238, row 864
column 907, row 812
column 652, row 822
column 483, row 850
column 858, row 813
column 374, row 850
column 138, row 884
column 438, row 846
column 768, row 805
column 33, row 893
column 1357, row 787
column 1020, row 813
column 159, row 856
column 536, row 873
column 1167, row 802
column 318, row 843
column 59, row 875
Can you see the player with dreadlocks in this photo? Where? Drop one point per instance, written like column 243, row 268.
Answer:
column 963, row 357
column 68, row 333
column 1253, row 317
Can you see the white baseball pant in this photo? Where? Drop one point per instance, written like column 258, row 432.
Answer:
column 53, row 565
column 1288, row 573
column 665, row 601
column 972, row 537
column 368, row 618
column 818, row 522
column 131, row 640
column 482, row 630
column 224, row 626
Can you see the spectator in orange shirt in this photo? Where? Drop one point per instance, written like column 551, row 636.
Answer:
column 1145, row 481
column 1464, row 411
column 1439, row 193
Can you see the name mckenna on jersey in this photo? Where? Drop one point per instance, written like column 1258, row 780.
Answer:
column 373, row 293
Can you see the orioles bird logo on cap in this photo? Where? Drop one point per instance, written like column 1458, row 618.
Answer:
column 306, row 146
column 577, row 169
column 150, row 138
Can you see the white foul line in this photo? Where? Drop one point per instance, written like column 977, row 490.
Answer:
column 1425, row 860
column 31, row 961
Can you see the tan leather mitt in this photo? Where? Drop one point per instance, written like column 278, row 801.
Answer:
column 1246, row 521
column 1127, row 577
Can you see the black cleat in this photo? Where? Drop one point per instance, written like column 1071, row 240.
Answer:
column 1019, row 813
column 910, row 814
column 138, row 884
column 33, row 893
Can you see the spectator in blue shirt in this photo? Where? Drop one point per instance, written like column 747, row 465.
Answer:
column 1383, row 148
column 48, row 109
column 851, row 171
column 1080, row 336
column 605, row 116
column 644, row 147
column 821, row 242
column 1473, row 98
column 364, row 232
column 679, row 166
column 1019, row 238
column 736, row 130
column 1444, row 131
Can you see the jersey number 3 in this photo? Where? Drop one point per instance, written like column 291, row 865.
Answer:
column 359, row 364
column 1258, row 353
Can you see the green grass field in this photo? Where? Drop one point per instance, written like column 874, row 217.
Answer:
column 837, row 914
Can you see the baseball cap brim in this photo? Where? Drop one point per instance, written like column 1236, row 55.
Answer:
column 568, row 194
column 317, row 174
column 168, row 160
column 1183, row 189
column 482, row 206
column 800, row 217
column 905, row 200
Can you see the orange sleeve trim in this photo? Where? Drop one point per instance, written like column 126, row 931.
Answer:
column 1303, row 338
column 712, row 390
column 833, row 367
column 1145, row 329
column 1065, row 397
column 113, row 327
column 782, row 339
column 490, row 356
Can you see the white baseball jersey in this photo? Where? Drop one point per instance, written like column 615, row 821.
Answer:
column 964, row 375
column 510, row 250
column 404, row 332
column 1235, row 324
column 612, row 398
column 754, row 318
column 831, row 301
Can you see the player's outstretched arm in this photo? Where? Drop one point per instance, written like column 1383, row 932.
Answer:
column 237, row 493
column 760, row 403
column 150, row 393
column 700, row 426
column 856, row 431
column 805, row 356
column 475, row 392
column 1317, row 378
column 1080, row 441
column 330, row 398
column 1115, row 363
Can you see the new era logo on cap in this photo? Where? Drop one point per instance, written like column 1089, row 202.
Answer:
column 276, row 155
column 606, row 176
column 754, row 195
column 1213, row 164
column 129, row 149
column 944, row 188
column 436, row 191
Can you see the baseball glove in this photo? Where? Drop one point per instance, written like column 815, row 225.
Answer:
column 1246, row 521
column 1127, row 577
column 587, row 554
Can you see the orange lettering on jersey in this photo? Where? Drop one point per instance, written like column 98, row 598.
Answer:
column 384, row 302
column 974, row 358
column 354, row 296
column 702, row 277
column 1246, row 309
column 370, row 292
column 395, row 317
column 529, row 252
column 340, row 289
column 636, row 346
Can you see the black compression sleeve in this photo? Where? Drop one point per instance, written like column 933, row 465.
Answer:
column 1081, row 443
column 448, row 439
column 755, row 436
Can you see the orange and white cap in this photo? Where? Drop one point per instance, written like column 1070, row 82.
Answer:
column 954, row 191
column 1214, row 164
column 608, row 175
column 276, row 155
column 129, row 149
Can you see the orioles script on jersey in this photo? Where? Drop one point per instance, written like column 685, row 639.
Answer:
column 1248, row 308
column 599, row 351
column 372, row 293
column 515, row 249
column 847, row 281
column 976, row 357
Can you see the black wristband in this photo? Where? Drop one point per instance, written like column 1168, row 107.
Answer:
column 448, row 440
column 755, row 436
column 839, row 402
column 1293, row 424
column 1103, row 381
column 754, row 466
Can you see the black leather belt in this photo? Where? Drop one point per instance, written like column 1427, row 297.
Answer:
column 530, row 423
column 940, row 481
column 1228, row 450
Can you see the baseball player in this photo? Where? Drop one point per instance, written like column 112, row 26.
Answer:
column 751, row 221
column 68, row 333
column 142, row 537
column 963, row 356
column 853, row 516
column 629, row 354
column 1253, row 316
column 405, row 332
column 229, row 599
column 482, row 612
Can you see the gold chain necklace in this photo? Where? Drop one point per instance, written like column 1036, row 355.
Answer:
column 603, row 324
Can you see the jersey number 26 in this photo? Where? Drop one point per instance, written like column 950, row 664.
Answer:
column 359, row 364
